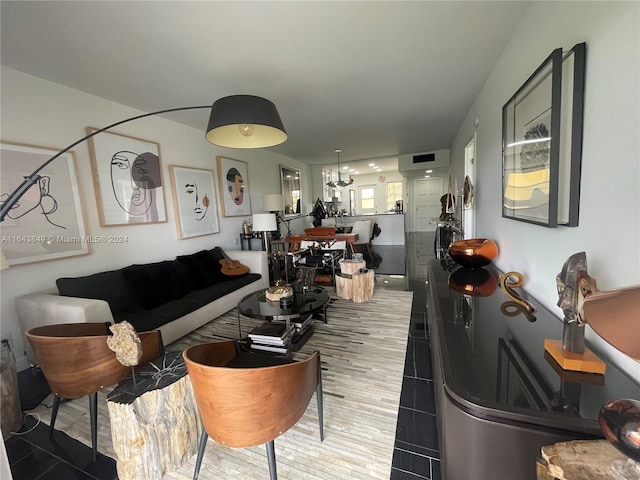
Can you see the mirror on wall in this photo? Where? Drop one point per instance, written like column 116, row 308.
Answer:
column 291, row 190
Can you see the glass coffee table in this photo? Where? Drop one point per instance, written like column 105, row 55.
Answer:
column 303, row 305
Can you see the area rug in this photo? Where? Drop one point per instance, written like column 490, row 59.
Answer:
column 363, row 349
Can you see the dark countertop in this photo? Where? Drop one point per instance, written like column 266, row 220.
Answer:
column 495, row 365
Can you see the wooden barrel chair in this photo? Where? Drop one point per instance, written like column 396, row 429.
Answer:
column 76, row 361
column 247, row 399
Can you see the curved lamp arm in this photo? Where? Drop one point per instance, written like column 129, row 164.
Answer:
column 30, row 180
column 236, row 121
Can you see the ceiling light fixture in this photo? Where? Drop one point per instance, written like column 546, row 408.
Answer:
column 340, row 182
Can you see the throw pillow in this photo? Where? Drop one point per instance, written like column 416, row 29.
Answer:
column 157, row 283
column 201, row 267
column 145, row 281
column 109, row 286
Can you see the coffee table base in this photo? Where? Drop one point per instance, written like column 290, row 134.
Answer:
column 299, row 340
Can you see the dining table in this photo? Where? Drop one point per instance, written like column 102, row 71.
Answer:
column 294, row 240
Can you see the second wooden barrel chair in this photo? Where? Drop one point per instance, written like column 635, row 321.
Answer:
column 247, row 399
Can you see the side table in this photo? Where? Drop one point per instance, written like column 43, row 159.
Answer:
column 578, row 460
column 355, row 282
column 246, row 240
column 155, row 425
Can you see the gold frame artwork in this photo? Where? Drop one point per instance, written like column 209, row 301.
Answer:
column 235, row 192
column 127, row 176
column 47, row 222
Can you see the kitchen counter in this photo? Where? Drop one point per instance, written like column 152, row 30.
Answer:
column 391, row 226
column 499, row 397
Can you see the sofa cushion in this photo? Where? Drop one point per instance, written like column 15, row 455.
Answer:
column 157, row 283
column 109, row 286
column 174, row 309
column 145, row 320
column 141, row 320
column 208, row 294
column 203, row 268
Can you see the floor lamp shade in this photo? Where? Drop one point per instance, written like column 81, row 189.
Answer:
column 245, row 121
column 272, row 202
column 264, row 222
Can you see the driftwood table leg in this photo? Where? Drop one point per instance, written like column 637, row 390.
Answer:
column 363, row 284
column 344, row 281
column 155, row 433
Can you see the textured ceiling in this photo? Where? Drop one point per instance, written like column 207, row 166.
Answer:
column 376, row 79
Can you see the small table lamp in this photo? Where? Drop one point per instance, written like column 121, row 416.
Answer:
column 265, row 223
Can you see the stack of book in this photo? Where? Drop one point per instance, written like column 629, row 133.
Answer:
column 272, row 337
column 302, row 324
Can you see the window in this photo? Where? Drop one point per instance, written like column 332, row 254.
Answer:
column 367, row 198
column 394, row 193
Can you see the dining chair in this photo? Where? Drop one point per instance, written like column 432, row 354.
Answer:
column 247, row 399
column 76, row 361
column 364, row 229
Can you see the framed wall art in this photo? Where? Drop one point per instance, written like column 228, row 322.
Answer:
column 127, row 177
column 194, row 201
column 542, row 143
column 47, row 222
column 235, row 194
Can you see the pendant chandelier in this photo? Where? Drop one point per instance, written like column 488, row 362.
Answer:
column 340, row 182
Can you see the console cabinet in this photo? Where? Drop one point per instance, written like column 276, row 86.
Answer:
column 499, row 398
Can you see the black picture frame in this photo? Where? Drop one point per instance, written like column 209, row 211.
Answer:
column 542, row 143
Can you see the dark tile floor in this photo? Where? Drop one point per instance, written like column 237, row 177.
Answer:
column 416, row 454
column 33, row 456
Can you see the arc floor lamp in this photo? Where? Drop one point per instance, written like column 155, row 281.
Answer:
column 236, row 121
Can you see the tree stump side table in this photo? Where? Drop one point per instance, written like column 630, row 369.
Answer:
column 355, row 282
column 344, row 280
column 578, row 460
column 363, row 283
column 155, row 425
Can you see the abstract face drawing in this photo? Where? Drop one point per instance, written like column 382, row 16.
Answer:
column 201, row 206
column 38, row 195
column 235, row 186
column 133, row 180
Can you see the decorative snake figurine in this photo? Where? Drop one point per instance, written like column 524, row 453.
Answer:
column 517, row 302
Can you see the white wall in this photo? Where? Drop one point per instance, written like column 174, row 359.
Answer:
column 380, row 186
column 609, row 228
column 45, row 114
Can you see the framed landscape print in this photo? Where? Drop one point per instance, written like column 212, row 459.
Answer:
column 194, row 201
column 127, row 176
column 235, row 196
column 47, row 222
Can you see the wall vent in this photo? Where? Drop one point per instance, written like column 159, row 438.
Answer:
column 426, row 157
